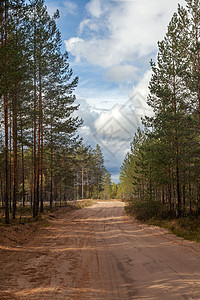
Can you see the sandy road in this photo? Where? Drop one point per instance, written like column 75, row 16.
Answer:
column 99, row 253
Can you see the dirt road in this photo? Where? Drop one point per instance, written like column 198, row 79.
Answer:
column 99, row 253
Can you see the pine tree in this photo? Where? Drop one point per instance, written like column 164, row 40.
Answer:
column 4, row 91
column 107, row 191
column 168, row 96
column 98, row 171
column 164, row 169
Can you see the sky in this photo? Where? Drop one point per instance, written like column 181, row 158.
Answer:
column 110, row 44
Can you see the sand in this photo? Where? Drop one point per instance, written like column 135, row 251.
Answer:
column 99, row 253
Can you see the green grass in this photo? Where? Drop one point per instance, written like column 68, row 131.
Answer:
column 187, row 228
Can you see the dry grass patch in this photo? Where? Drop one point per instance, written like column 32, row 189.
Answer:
column 187, row 228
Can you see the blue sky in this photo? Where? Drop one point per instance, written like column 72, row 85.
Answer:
column 110, row 44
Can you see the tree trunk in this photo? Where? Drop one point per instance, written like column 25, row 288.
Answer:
column 41, row 133
column 51, row 167
column 6, row 113
column 91, row 192
column 6, row 159
column 169, row 190
column 82, row 182
column 60, row 196
column 35, row 132
column 10, row 188
column 190, row 189
column 15, row 175
column 77, row 185
column 51, row 190
column 38, row 170
column 176, row 144
column 198, row 61
column 23, row 177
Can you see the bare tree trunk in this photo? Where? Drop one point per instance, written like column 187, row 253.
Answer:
column 190, row 189
column 15, row 175
column 2, row 192
column 77, row 185
column 198, row 61
column 10, row 188
column 6, row 113
column 82, row 182
column 1, row 63
column 35, row 132
column 196, row 21
column 6, row 158
column 34, row 151
column 169, row 190
column 91, row 185
column 23, row 177
column 176, row 146
column 41, row 134
column 51, row 190
column 60, row 195
column 38, row 170
column 51, row 167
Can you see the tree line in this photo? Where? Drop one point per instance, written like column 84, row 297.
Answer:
column 41, row 155
column 161, row 172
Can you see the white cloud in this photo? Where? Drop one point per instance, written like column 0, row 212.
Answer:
column 71, row 7
column 121, row 73
column 94, row 7
column 113, row 128
column 71, row 46
column 120, row 36
column 142, row 85
column 120, row 123
column 85, row 131
column 65, row 7
column 85, row 23
column 131, row 31
column 93, row 50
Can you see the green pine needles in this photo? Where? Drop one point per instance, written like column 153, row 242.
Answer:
column 161, row 173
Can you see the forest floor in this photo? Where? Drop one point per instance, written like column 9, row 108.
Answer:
column 97, row 253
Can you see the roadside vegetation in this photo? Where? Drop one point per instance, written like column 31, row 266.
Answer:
column 187, row 227
column 42, row 158
column 160, row 174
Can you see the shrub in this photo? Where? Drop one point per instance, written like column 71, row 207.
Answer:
column 143, row 209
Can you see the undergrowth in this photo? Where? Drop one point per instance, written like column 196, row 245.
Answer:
column 24, row 214
column 150, row 213
column 187, row 228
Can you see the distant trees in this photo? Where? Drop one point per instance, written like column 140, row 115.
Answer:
column 92, row 178
column 162, row 170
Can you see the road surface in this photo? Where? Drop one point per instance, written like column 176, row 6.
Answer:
column 99, row 253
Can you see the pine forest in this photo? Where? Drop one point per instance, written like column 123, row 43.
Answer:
column 161, row 172
column 42, row 157
column 99, row 149
column 44, row 160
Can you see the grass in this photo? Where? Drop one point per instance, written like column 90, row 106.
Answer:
column 187, row 228
column 84, row 203
column 89, row 202
column 24, row 214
